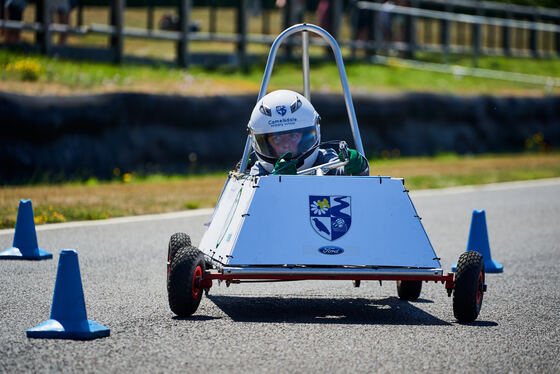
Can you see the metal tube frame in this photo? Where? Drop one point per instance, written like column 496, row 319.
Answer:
column 328, row 271
column 450, row 277
column 305, row 28
column 305, row 64
column 324, row 168
column 206, row 281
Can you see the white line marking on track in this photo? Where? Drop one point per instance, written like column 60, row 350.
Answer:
column 487, row 187
column 112, row 221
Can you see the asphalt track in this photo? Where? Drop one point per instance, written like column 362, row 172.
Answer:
column 298, row 327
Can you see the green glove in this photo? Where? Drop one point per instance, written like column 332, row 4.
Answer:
column 285, row 165
column 354, row 165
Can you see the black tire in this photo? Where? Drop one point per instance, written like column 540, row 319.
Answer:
column 469, row 286
column 409, row 290
column 177, row 241
column 183, row 283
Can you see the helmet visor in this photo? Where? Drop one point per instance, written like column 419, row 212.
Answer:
column 276, row 144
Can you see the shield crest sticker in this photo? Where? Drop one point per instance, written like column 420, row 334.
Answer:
column 281, row 109
column 330, row 216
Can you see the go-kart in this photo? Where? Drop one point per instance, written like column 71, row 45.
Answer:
column 340, row 227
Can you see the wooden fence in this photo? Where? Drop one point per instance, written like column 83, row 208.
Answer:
column 466, row 41
column 443, row 26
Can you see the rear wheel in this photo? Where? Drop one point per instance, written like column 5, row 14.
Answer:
column 176, row 242
column 409, row 290
column 469, row 286
column 184, row 283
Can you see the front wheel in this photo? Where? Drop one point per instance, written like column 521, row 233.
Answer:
column 469, row 286
column 176, row 242
column 409, row 290
column 184, row 284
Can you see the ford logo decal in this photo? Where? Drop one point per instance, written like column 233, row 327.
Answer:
column 331, row 250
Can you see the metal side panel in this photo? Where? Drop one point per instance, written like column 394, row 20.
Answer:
column 329, row 220
column 228, row 218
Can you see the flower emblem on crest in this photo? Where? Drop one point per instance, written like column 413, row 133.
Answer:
column 320, row 207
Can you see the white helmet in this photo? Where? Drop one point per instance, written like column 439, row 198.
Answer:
column 285, row 121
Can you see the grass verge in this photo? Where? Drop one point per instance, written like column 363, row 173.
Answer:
column 132, row 196
column 40, row 75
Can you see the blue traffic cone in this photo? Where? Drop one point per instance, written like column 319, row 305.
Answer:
column 478, row 241
column 68, row 312
column 25, row 245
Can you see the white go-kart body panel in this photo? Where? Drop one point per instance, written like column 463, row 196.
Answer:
column 300, row 224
